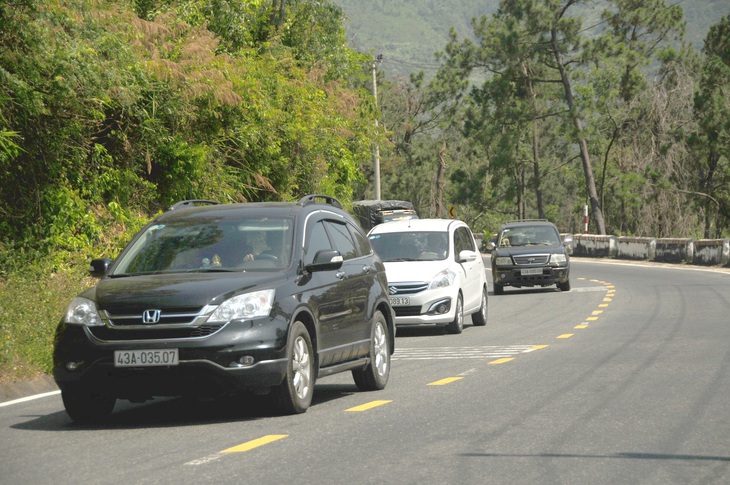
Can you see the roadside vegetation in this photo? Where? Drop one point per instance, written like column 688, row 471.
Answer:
column 112, row 111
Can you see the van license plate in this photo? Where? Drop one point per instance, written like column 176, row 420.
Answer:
column 145, row 358
column 400, row 301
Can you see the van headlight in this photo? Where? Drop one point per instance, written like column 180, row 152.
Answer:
column 442, row 280
column 248, row 305
column 82, row 311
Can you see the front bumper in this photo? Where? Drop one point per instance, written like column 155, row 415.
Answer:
column 208, row 366
column 512, row 276
column 429, row 307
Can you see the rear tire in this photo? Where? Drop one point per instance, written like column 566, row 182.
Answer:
column 294, row 394
column 86, row 406
column 457, row 326
column 479, row 319
column 374, row 377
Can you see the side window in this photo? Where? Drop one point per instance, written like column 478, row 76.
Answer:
column 317, row 241
column 464, row 240
column 361, row 242
column 342, row 239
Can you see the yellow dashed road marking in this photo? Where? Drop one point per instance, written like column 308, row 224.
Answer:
column 582, row 325
column 592, row 319
column 537, row 347
column 565, row 335
column 443, row 382
column 501, row 361
column 250, row 445
column 365, row 407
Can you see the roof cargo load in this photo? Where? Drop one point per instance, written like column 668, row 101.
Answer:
column 370, row 213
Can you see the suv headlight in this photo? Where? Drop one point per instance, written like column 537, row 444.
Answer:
column 558, row 258
column 442, row 280
column 248, row 305
column 503, row 261
column 82, row 311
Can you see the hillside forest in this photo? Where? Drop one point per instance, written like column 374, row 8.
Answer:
column 110, row 111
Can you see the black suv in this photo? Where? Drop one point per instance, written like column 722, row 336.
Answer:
column 210, row 299
column 530, row 253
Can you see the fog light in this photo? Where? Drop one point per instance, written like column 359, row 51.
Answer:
column 243, row 361
column 72, row 366
column 440, row 307
column 502, row 276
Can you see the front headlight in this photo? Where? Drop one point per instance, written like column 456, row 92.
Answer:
column 248, row 305
column 442, row 280
column 558, row 258
column 82, row 311
column 503, row 261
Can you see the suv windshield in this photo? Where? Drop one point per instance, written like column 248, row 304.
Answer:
column 411, row 246
column 528, row 236
column 210, row 245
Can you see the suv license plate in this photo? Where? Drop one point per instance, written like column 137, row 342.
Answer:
column 145, row 358
column 400, row 301
column 531, row 271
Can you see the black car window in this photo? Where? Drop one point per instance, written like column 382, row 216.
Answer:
column 317, row 240
column 342, row 239
column 361, row 242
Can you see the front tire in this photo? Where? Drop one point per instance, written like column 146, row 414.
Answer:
column 498, row 289
column 294, row 394
column 564, row 286
column 86, row 406
column 374, row 377
column 457, row 326
column 479, row 319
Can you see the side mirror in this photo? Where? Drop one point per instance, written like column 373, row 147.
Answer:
column 491, row 245
column 100, row 267
column 467, row 255
column 326, row 260
column 568, row 240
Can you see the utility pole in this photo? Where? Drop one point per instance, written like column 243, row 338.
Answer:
column 376, row 154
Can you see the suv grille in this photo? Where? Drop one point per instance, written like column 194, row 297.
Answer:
column 167, row 316
column 174, row 323
column 532, row 259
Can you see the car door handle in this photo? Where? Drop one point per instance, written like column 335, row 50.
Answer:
column 340, row 275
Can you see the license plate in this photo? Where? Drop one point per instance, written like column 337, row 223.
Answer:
column 400, row 301
column 531, row 271
column 145, row 358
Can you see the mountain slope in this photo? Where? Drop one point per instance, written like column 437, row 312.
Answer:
column 408, row 32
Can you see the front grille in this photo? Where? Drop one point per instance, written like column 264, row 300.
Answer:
column 411, row 288
column 526, row 259
column 109, row 334
column 173, row 323
column 407, row 311
column 168, row 316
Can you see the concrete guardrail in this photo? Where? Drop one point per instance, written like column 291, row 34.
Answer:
column 703, row 252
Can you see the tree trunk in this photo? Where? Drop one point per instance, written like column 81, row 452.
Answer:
column 440, row 181
column 578, row 123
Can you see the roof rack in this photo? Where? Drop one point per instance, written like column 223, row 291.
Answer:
column 527, row 220
column 192, row 203
column 313, row 198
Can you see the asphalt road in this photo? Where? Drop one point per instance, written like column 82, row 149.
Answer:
column 624, row 379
